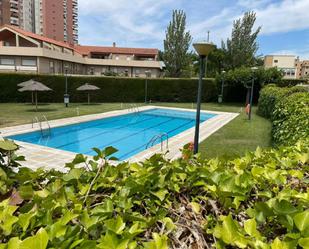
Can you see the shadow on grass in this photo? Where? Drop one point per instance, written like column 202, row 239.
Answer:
column 85, row 104
column 41, row 110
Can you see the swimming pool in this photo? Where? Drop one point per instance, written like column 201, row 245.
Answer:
column 129, row 133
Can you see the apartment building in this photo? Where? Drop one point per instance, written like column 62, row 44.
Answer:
column 56, row 19
column 302, row 69
column 10, row 12
column 26, row 52
column 286, row 63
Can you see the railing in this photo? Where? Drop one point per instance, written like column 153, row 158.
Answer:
column 160, row 137
column 40, row 121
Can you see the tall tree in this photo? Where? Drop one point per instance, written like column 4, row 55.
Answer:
column 240, row 50
column 176, row 46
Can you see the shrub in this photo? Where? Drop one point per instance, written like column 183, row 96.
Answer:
column 291, row 82
column 271, row 95
column 258, row 201
column 236, row 80
column 112, row 89
column 291, row 119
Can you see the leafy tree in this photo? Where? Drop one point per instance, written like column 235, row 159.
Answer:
column 240, row 50
column 176, row 46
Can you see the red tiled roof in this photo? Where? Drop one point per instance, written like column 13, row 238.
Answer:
column 86, row 50
column 39, row 37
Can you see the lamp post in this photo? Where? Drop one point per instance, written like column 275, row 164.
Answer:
column 146, row 85
column 220, row 99
column 203, row 49
column 251, row 94
column 66, row 95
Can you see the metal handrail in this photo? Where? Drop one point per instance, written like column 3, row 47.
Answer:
column 44, row 118
column 160, row 136
column 35, row 120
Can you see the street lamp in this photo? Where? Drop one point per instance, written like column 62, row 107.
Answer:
column 220, row 99
column 146, row 84
column 203, row 49
column 66, row 95
column 251, row 95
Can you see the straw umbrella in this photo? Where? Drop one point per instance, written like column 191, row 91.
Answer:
column 27, row 83
column 35, row 87
column 87, row 88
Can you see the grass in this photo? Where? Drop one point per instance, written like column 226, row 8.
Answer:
column 236, row 138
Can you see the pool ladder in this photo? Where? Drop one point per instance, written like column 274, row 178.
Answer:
column 160, row 137
column 134, row 109
column 40, row 121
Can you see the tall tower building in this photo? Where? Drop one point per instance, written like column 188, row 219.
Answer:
column 56, row 19
column 10, row 12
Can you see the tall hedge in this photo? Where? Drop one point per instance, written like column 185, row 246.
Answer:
column 271, row 95
column 112, row 89
column 291, row 119
column 288, row 109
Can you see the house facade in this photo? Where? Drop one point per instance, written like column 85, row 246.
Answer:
column 26, row 52
column 286, row 63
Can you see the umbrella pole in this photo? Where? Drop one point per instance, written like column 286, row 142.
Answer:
column 88, row 98
column 32, row 98
column 36, row 101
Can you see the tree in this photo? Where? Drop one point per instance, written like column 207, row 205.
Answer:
column 240, row 50
column 176, row 45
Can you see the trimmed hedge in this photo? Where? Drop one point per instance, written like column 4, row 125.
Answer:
column 112, row 89
column 291, row 119
column 271, row 95
column 288, row 109
column 291, row 82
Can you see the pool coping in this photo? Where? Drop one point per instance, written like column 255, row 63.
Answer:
column 38, row 156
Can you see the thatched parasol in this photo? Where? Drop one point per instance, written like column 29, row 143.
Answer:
column 87, row 88
column 35, row 87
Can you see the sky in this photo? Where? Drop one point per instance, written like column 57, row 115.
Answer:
column 142, row 23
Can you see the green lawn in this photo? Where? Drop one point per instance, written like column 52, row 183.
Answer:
column 234, row 139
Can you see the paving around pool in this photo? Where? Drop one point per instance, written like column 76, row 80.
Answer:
column 137, row 133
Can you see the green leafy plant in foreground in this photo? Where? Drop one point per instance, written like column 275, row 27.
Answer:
column 258, row 201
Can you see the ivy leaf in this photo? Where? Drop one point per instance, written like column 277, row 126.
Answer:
column 195, row 207
column 8, row 145
column 302, row 220
column 13, row 243
column 72, row 175
column 115, row 225
column 250, row 228
column 160, row 194
column 304, row 243
column 88, row 221
column 110, row 151
column 278, row 244
column 159, row 242
column 111, row 241
column 38, row 241
column 229, row 232
column 24, row 220
column 26, row 192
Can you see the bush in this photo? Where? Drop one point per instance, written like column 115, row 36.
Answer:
column 291, row 82
column 258, row 201
column 291, row 119
column 237, row 80
column 271, row 95
column 112, row 89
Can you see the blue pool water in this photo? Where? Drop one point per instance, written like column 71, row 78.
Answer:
column 128, row 133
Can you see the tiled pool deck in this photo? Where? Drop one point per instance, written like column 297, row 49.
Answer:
column 49, row 158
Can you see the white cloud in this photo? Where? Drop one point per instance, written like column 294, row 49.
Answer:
column 143, row 22
column 288, row 15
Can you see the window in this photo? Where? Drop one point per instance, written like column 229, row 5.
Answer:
column 275, row 61
column 28, row 62
column 7, row 61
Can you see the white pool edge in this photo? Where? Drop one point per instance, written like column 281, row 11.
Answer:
column 38, row 156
